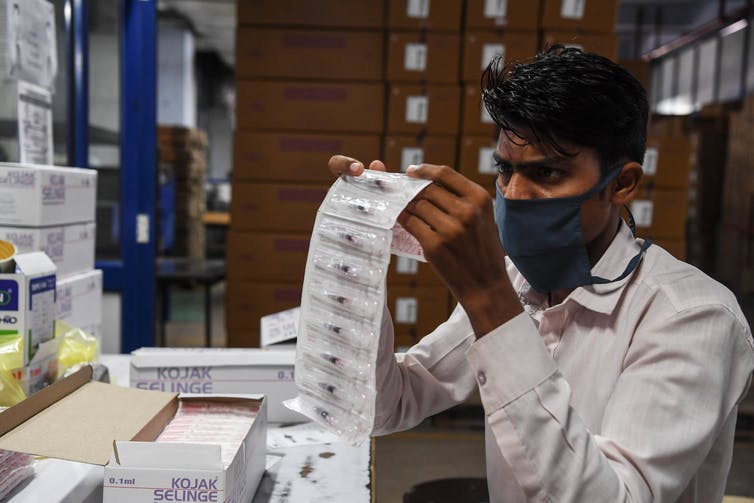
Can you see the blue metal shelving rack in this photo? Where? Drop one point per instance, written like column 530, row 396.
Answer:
column 133, row 275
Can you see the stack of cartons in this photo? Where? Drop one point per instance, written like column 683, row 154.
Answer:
column 423, row 124
column 736, row 252
column 183, row 155
column 51, row 209
column 309, row 85
column 587, row 24
column 492, row 29
column 661, row 206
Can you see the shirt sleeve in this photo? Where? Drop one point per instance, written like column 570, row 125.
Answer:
column 432, row 376
column 683, row 377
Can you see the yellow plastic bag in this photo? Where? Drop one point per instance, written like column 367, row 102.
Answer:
column 11, row 358
column 76, row 347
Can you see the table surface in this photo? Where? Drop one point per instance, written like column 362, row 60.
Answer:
column 187, row 268
column 304, row 464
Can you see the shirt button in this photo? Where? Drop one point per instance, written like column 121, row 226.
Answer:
column 482, row 378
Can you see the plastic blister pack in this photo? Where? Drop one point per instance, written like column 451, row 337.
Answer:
column 343, row 298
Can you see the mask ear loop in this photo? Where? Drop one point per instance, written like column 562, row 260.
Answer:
column 631, row 221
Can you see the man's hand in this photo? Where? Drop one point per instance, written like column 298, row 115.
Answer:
column 343, row 165
column 453, row 220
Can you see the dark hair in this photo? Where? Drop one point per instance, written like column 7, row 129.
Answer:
column 566, row 94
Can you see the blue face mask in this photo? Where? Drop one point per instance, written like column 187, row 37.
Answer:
column 543, row 238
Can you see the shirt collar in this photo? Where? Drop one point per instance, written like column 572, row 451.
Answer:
column 601, row 298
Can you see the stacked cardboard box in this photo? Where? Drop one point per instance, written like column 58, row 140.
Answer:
column 736, row 252
column 183, row 158
column 587, row 24
column 309, row 85
column 492, row 29
column 50, row 209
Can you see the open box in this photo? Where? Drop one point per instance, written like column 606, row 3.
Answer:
column 87, row 421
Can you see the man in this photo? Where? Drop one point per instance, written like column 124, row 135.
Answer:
column 609, row 371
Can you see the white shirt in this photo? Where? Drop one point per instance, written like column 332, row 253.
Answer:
column 625, row 391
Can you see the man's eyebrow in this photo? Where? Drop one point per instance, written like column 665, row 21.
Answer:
column 544, row 161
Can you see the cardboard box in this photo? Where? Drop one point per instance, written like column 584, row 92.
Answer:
column 308, row 54
column 70, row 247
column 247, row 301
column 46, row 195
column 323, row 13
column 676, row 247
column 79, row 302
column 275, row 207
column 401, row 151
column 267, row 257
column 479, row 47
column 417, row 311
column 295, row 157
column 27, row 301
column 404, row 271
column 668, row 162
column 602, row 44
column 423, row 57
column 425, row 15
column 476, row 120
column 661, row 213
column 476, row 161
column 639, row 69
column 431, row 110
column 91, row 422
column 220, row 371
column 585, row 15
column 309, row 106
column 494, row 14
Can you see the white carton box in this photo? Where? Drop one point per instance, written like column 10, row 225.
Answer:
column 27, row 301
column 92, row 422
column 220, row 370
column 71, row 247
column 79, row 301
column 46, row 195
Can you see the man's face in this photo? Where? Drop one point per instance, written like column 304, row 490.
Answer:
column 526, row 172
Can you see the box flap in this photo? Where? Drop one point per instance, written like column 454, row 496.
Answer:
column 171, row 455
column 35, row 263
column 196, row 357
column 80, row 424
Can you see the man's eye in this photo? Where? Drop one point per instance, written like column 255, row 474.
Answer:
column 504, row 168
column 547, row 173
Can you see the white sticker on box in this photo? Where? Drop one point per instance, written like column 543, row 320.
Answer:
column 486, row 161
column 495, row 8
column 417, row 109
column 406, row 265
column 30, row 42
column 490, row 51
column 572, row 9
column 417, row 9
column 279, row 327
column 411, row 155
column 405, row 309
column 34, row 124
column 642, row 212
column 650, row 161
column 415, row 57
column 486, row 117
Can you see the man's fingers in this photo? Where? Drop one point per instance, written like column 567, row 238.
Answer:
column 377, row 166
column 344, row 165
column 447, row 177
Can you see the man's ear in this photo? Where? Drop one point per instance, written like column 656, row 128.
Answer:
column 626, row 183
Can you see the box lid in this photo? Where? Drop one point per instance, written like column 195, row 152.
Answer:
column 193, row 357
column 79, row 419
column 34, row 263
